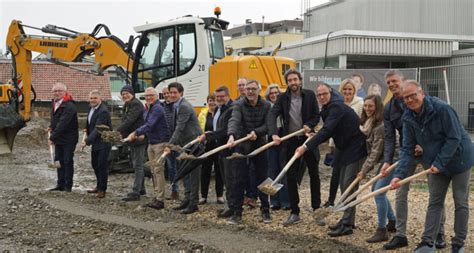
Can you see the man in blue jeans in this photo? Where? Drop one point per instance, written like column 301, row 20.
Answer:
column 447, row 152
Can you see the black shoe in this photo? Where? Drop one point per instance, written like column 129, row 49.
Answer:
column 181, row 206
column 266, row 218
column 396, row 242
column 335, row 226
column 225, row 213
column 67, row 189
column 57, row 188
column 391, row 226
column 292, row 219
column 275, row 208
column 328, row 204
column 440, row 242
column 457, row 248
column 190, row 209
column 342, row 230
column 131, row 197
column 424, row 247
column 235, row 219
column 143, row 192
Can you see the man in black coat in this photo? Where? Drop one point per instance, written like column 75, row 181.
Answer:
column 298, row 109
column 219, row 135
column 132, row 118
column 342, row 124
column 98, row 115
column 64, row 135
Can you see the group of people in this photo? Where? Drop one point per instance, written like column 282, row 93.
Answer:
column 412, row 128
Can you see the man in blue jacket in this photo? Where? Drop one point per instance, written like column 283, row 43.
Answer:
column 342, row 124
column 447, row 152
column 156, row 130
column 98, row 115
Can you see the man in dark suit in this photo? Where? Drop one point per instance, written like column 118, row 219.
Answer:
column 186, row 129
column 64, row 135
column 98, row 115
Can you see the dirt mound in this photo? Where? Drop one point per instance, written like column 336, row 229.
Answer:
column 33, row 134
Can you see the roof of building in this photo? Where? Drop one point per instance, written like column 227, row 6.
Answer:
column 45, row 74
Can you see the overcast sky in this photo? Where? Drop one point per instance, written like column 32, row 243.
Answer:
column 122, row 16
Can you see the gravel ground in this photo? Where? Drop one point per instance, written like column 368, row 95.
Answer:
column 34, row 219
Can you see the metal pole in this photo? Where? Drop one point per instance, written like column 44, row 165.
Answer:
column 446, row 86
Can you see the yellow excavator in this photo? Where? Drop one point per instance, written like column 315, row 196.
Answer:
column 189, row 50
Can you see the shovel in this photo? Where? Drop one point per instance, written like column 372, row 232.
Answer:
column 363, row 187
column 52, row 164
column 270, row 187
column 382, row 190
column 184, row 156
column 264, row 147
column 190, row 144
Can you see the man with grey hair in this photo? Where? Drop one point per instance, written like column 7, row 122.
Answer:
column 447, row 153
column 98, row 115
column 64, row 131
column 156, row 130
column 393, row 124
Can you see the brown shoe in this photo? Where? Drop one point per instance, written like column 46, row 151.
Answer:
column 251, row 202
column 100, row 195
column 93, row 190
column 174, row 196
column 156, row 204
column 380, row 235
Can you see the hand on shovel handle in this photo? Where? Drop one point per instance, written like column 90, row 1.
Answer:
column 384, row 189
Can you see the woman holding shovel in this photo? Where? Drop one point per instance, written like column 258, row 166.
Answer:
column 372, row 127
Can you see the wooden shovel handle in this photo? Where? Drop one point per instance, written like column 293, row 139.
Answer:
column 366, row 185
column 346, row 192
column 225, row 146
column 190, row 143
column 386, row 188
column 288, row 165
column 270, row 144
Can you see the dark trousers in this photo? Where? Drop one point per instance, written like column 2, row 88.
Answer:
column 191, row 186
column 280, row 199
column 100, row 166
column 292, row 175
column 227, row 177
column 348, row 174
column 334, row 185
column 206, row 176
column 240, row 169
column 65, row 155
column 251, row 190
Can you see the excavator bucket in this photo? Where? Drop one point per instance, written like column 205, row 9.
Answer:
column 10, row 124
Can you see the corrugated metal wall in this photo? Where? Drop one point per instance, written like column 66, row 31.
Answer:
column 414, row 16
column 460, row 76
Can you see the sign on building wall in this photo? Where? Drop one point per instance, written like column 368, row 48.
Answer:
column 372, row 79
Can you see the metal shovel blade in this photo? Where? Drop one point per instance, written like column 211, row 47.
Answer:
column 268, row 187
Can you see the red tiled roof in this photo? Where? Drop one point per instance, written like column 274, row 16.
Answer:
column 78, row 83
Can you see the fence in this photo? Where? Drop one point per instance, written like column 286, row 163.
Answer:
column 453, row 83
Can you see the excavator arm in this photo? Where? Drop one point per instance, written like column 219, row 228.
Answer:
column 65, row 47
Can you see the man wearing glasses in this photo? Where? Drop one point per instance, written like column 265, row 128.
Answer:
column 249, row 117
column 342, row 124
column 298, row 109
column 447, row 152
column 64, row 131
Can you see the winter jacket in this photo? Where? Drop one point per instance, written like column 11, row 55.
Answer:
column 170, row 115
column 357, row 105
column 132, row 118
column 446, row 145
column 202, row 118
column 64, row 125
column 392, row 115
column 247, row 118
column 101, row 116
column 342, row 124
column 309, row 111
column 375, row 145
column 155, row 127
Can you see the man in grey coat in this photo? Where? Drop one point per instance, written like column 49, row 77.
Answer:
column 186, row 129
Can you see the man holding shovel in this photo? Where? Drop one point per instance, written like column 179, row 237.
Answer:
column 298, row 109
column 98, row 115
column 155, row 129
column 132, row 118
column 64, row 135
column 342, row 124
column 219, row 134
column 447, row 151
column 249, row 118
